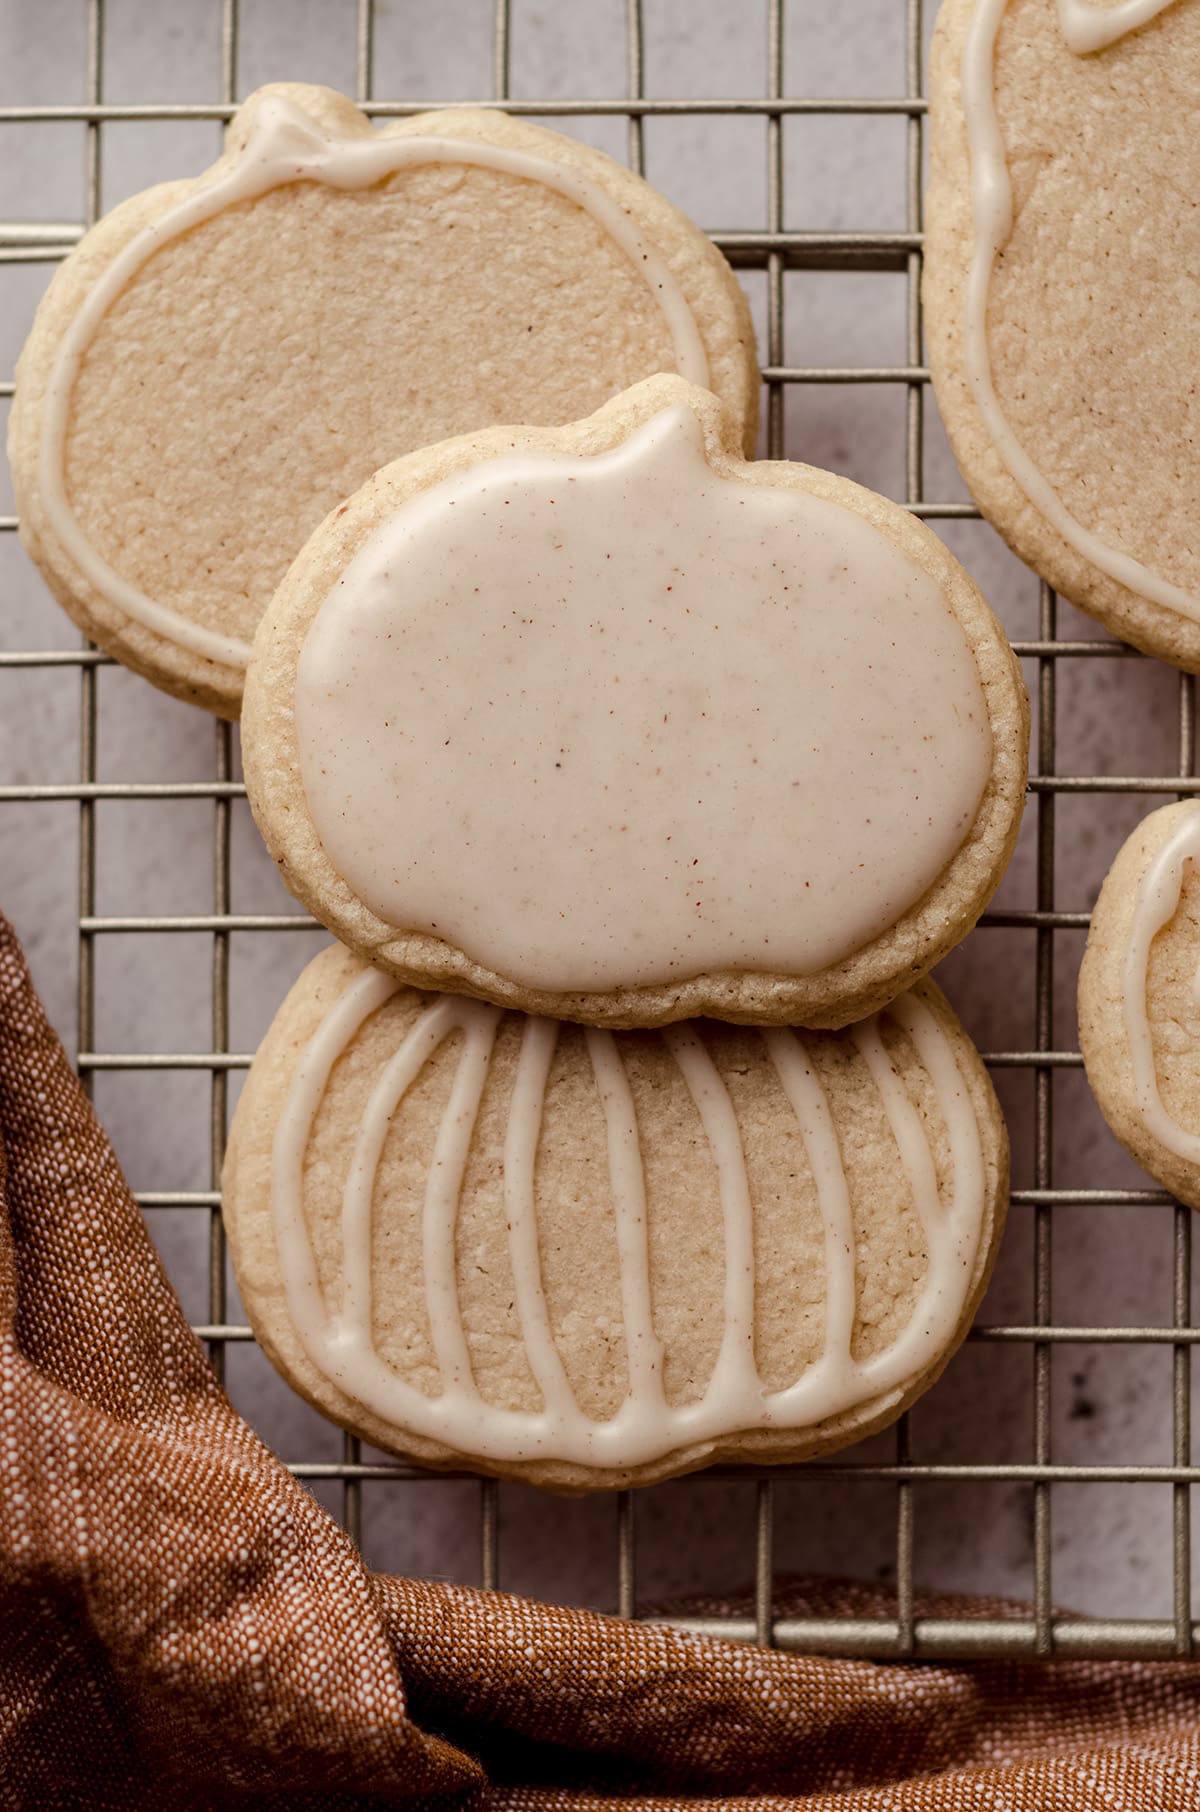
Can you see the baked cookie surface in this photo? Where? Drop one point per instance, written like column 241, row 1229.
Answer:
column 1139, row 998
column 590, row 1259
column 221, row 360
column 1061, row 276
column 607, row 723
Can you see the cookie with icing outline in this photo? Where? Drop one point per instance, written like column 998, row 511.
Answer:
column 222, row 359
column 607, row 723
column 1139, row 998
column 1062, row 260
column 592, row 1260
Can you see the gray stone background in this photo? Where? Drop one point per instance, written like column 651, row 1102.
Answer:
column 1112, row 1264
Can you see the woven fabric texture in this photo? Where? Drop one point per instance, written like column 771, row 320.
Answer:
column 182, row 1625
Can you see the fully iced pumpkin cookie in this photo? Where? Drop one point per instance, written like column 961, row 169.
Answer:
column 221, row 360
column 1139, row 998
column 593, row 1259
column 1061, row 276
column 608, row 723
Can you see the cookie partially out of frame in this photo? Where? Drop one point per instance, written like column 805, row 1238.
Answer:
column 607, row 723
column 222, row 359
column 1139, row 998
column 1061, row 276
column 589, row 1259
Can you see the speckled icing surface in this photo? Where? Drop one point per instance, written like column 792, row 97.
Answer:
column 584, row 719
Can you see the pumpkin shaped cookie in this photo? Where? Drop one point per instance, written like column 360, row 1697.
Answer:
column 608, row 723
column 222, row 359
column 590, row 1259
column 1139, row 998
column 1062, row 263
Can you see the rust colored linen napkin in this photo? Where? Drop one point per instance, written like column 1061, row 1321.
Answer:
column 181, row 1625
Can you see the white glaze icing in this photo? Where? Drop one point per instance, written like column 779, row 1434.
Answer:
column 1086, row 28
column 286, row 146
column 616, row 721
column 1155, row 906
column 337, row 1336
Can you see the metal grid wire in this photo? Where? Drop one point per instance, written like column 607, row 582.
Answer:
column 776, row 250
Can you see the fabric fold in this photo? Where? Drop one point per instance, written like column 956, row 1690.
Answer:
column 176, row 1609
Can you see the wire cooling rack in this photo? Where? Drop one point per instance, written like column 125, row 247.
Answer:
column 773, row 252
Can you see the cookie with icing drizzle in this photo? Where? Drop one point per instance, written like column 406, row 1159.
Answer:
column 1062, row 263
column 1139, row 998
column 222, row 359
column 594, row 1259
column 608, row 723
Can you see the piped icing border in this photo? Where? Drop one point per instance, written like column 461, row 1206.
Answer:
column 338, row 1340
column 1156, row 904
column 1086, row 28
column 286, row 146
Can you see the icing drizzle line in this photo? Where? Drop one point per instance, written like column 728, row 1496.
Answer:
column 286, row 146
column 1156, row 904
column 339, row 1343
column 1086, row 28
